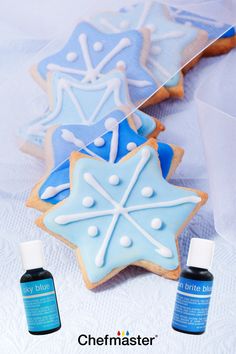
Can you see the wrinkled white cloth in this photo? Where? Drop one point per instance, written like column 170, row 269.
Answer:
column 135, row 300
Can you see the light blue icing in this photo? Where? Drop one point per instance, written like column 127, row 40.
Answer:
column 117, row 256
column 148, row 124
column 88, row 96
column 213, row 28
column 97, row 46
column 155, row 16
column 61, row 150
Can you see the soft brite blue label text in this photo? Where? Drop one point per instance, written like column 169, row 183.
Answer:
column 192, row 304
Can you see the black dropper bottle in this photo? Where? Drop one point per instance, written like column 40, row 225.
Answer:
column 38, row 291
column 194, row 289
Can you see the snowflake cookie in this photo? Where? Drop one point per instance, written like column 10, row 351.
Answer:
column 222, row 36
column 73, row 102
column 172, row 44
column 119, row 140
column 89, row 53
column 122, row 214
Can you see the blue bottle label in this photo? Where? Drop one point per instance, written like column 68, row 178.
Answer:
column 192, row 304
column 40, row 305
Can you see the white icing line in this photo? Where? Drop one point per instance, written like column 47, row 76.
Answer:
column 76, row 104
column 85, row 51
column 107, row 93
column 124, row 43
column 162, row 250
column 169, row 35
column 53, row 114
column 100, row 257
column 71, row 138
column 52, row 191
column 146, row 8
column 65, row 69
column 67, row 219
column 139, row 83
column 137, row 121
column 114, row 144
column 143, row 161
column 159, row 67
column 90, row 179
column 116, row 92
column 180, row 201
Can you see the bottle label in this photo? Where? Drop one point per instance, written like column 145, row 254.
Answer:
column 192, row 304
column 40, row 305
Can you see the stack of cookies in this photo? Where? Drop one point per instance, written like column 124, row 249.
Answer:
column 105, row 192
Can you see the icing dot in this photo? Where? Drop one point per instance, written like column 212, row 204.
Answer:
column 88, row 202
column 125, row 241
column 124, row 24
column 121, row 65
column 72, row 56
column 110, row 123
column 99, row 142
column 93, row 231
column 147, row 192
column 125, row 42
column 156, row 224
column 131, row 146
column 151, row 27
column 114, row 180
column 98, row 46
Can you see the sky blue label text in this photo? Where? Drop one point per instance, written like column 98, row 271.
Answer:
column 40, row 305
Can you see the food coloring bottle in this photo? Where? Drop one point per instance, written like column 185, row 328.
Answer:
column 38, row 291
column 194, row 289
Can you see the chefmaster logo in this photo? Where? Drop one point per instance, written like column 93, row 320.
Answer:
column 121, row 338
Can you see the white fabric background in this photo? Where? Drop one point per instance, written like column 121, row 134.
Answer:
column 135, row 300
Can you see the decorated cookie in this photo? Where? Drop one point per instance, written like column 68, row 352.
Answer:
column 119, row 140
column 73, row 102
column 122, row 214
column 221, row 36
column 89, row 53
column 172, row 44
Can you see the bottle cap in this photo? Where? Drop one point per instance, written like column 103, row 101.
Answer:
column 32, row 254
column 200, row 253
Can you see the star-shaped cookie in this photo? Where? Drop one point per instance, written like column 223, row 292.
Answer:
column 89, row 53
column 73, row 102
column 172, row 44
column 222, row 36
column 119, row 140
column 215, row 29
column 122, row 214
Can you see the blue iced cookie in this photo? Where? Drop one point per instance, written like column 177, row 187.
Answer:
column 73, row 102
column 170, row 40
column 119, row 140
column 122, row 214
column 221, row 35
column 89, row 54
